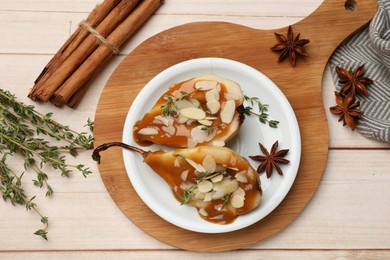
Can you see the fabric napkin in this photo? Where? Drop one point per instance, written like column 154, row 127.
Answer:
column 370, row 46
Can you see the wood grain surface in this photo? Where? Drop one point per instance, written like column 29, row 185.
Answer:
column 326, row 28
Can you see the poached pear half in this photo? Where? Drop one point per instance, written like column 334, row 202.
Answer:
column 217, row 181
column 205, row 110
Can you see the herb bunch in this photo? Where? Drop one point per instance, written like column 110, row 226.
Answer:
column 21, row 129
column 263, row 111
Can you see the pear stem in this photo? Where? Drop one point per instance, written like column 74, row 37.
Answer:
column 96, row 153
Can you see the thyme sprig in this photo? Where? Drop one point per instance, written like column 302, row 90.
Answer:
column 263, row 111
column 20, row 128
column 210, row 129
column 170, row 107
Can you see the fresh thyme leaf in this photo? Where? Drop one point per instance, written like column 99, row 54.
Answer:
column 42, row 233
column 20, row 126
column 262, row 111
column 210, row 129
column 187, row 195
column 170, row 107
column 226, row 199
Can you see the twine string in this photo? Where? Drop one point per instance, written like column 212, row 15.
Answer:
column 99, row 37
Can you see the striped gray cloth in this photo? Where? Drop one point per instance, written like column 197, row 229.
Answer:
column 370, row 46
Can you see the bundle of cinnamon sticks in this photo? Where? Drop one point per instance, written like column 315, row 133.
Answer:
column 65, row 78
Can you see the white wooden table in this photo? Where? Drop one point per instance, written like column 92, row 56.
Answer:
column 348, row 217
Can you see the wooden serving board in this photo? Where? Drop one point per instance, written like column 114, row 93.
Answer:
column 326, row 28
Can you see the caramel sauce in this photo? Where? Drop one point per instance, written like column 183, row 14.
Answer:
column 219, row 211
column 182, row 130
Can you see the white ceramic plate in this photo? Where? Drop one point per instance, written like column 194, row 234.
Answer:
column 158, row 196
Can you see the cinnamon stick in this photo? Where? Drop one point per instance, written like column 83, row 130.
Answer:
column 110, row 22
column 95, row 17
column 116, row 38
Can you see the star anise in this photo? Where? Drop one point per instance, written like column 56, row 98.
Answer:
column 290, row 47
column 346, row 108
column 271, row 159
column 353, row 81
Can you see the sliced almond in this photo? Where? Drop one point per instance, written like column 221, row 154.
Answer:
column 176, row 163
column 206, row 84
column 229, row 185
column 220, row 168
column 181, row 119
column 209, row 163
column 162, row 119
column 191, row 143
column 217, row 217
column 193, row 113
column 169, row 129
column 212, row 94
column 237, row 202
column 203, row 212
column 181, row 130
column 218, row 207
column 211, row 118
column 213, row 106
column 208, row 196
column 219, row 194
column 148, row 131
column 184, row 175
column 219, row 143
column 239, row 192
column 181, row 104
column 199, row 195
column 205, row 186
column 233, row 168
column 205, row 122
column 200, row 135
column 195, row 102
column 226, row 186
column 197, row 166
column 227, row 112
column 217, row 178
column 241, row 176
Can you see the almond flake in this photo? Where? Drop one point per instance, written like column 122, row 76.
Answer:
column 193, row 113
column 199, row 135
column 208, row 196
column 241, row 176
column 184, row 175
column 199, row 195
column 217, row 178
column 181, row 104
column 197, row 166
column 227, row 112
column 220, row 168
column 195, row 102
column 162, row 119
column 148, row 131
column 239, row 192
column 205, row 122
column 169, row 129
column 218, row 194
column 191, row 143
column 205, row 186
column 212, row 95
column 213, row 106
column 237, row 202
column 203, row 212
column 206, row 84
column 219, row 143
column 209, row 163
